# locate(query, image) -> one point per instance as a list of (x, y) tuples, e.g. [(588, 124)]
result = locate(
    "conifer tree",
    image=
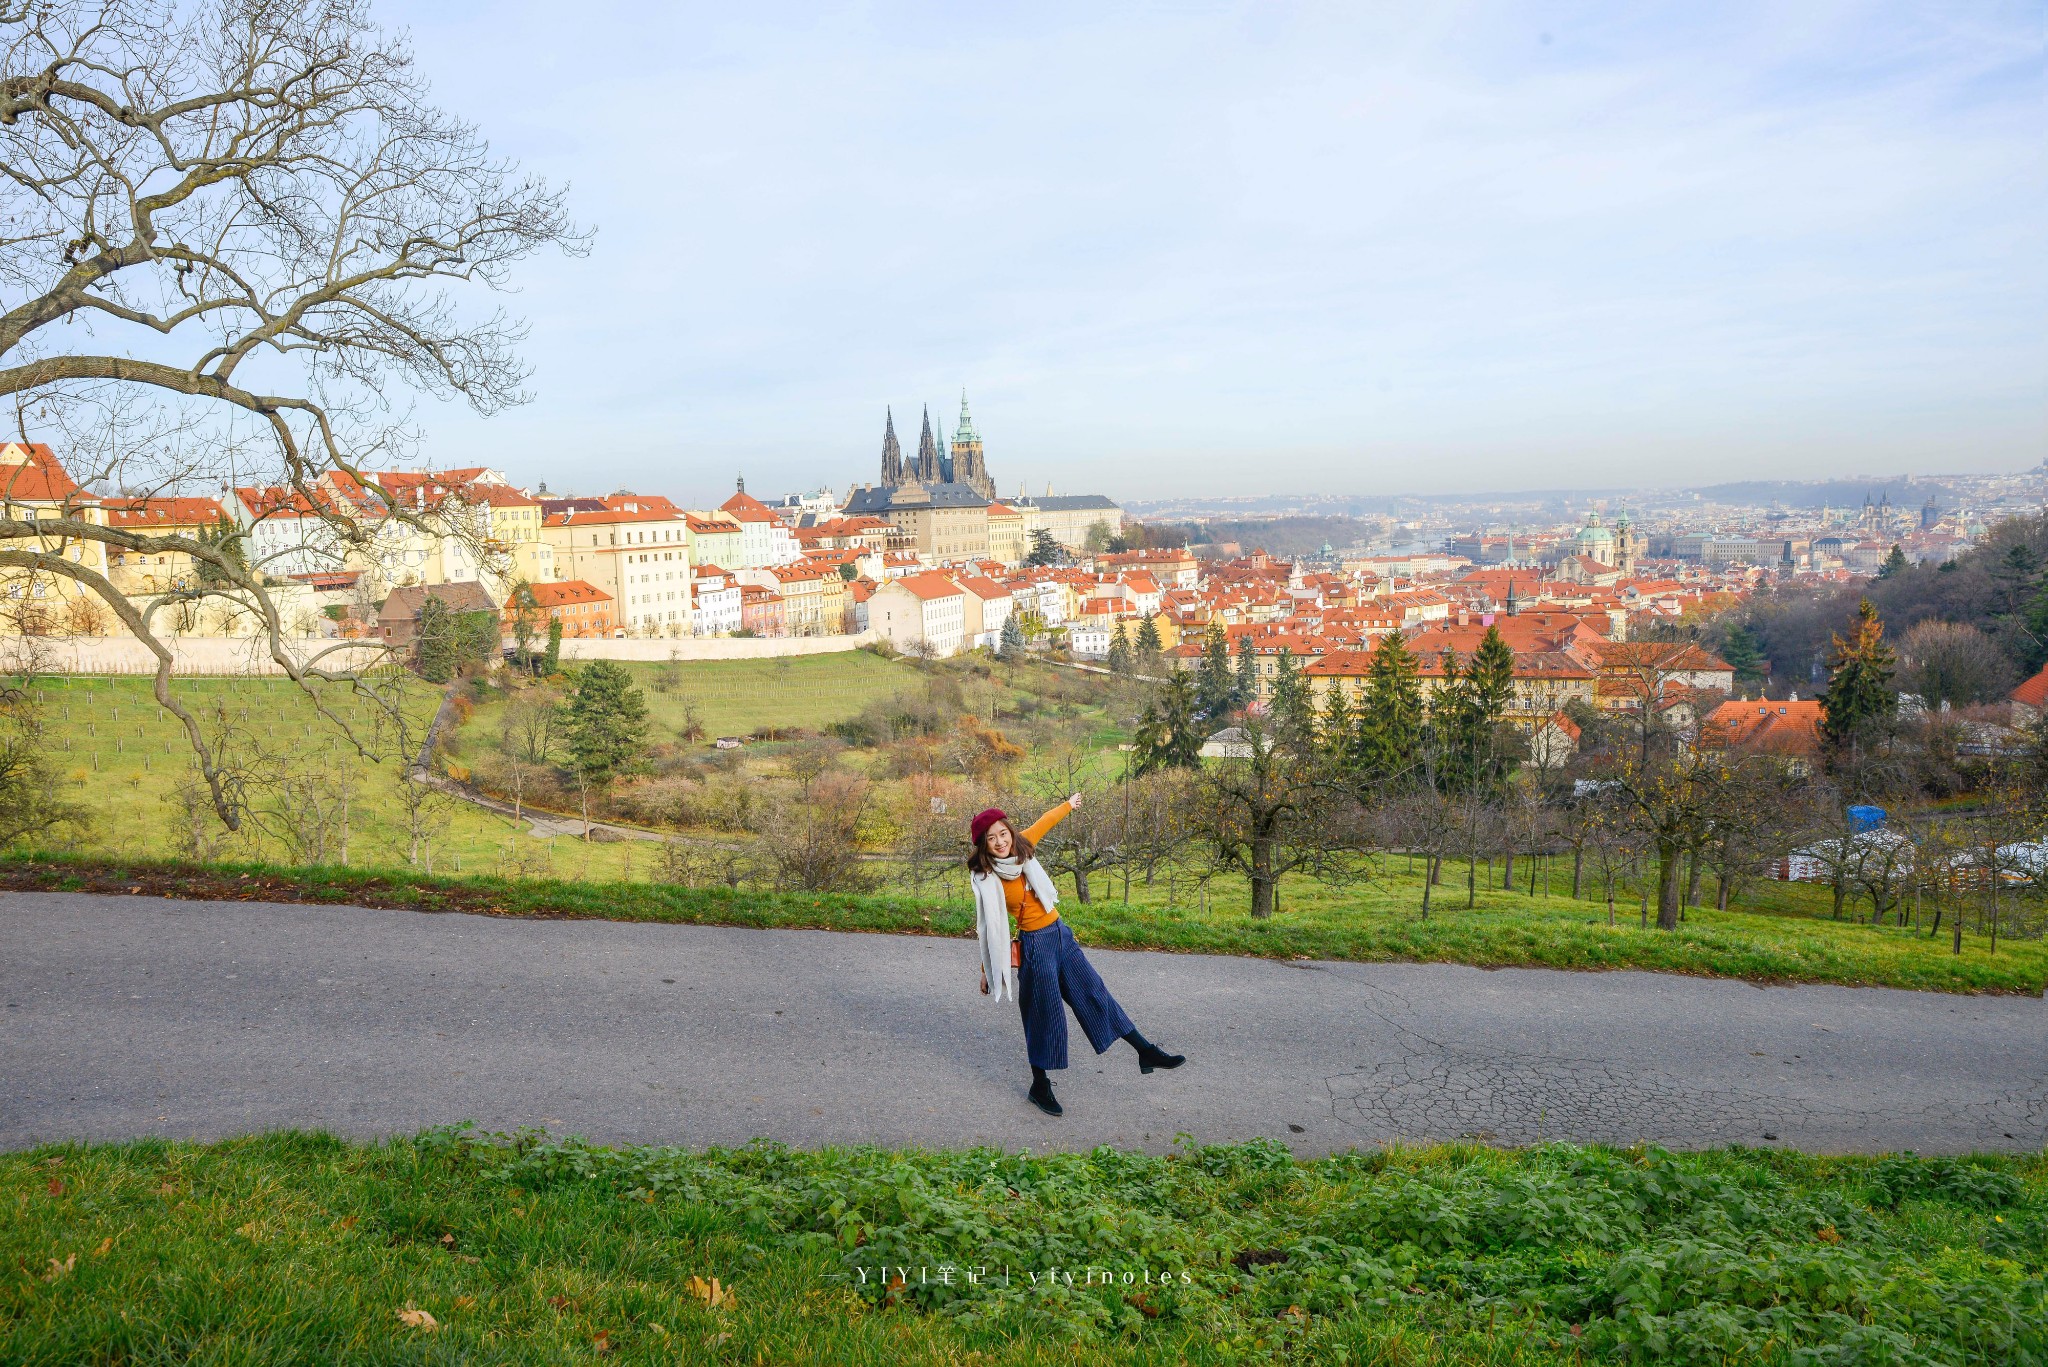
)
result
[(1339, 737), (551, 662), (1245, 690), (1119, 659), (1859, 701), (434, 645), (607, 721), (1895, 563), (1214, 686), (1294, 708), (1148, 639), (1168, 736), (1389, 734)]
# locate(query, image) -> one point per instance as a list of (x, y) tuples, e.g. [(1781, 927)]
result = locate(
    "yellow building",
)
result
[(138, 572), (34, 487), (1008, 541)]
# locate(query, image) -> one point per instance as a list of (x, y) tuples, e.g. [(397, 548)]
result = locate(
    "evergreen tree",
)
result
[(551, 662), (1492, 676), (434, 647), (1168, 735), (1744, 653), (1339, 739), (1213, 684), (1895, 563), (1859, 702), (226, 538), (525, 624), (1447, 735), (1245, 688), (606, 720), (1012, 643), (1044, 550), (1148, 639), (1294, 707), (1119, 660), (1390, 716)]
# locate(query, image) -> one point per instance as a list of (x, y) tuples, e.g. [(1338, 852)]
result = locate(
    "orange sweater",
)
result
[(1025, 909)]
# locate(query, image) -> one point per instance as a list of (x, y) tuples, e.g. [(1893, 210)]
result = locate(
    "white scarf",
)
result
[(1009, 869)]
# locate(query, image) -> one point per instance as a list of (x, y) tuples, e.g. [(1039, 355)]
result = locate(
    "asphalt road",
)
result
[(126, 1017)]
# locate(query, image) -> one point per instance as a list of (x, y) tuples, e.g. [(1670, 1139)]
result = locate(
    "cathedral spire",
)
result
[(927, 452), (892, 454)]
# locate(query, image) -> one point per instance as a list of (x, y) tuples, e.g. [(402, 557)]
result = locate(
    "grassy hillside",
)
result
[(303, 1248), (125, 760)]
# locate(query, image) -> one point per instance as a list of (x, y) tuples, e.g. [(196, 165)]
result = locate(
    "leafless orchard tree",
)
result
[(235, 240)]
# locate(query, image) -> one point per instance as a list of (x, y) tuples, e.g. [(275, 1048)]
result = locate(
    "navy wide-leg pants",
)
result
[(1055, 971)]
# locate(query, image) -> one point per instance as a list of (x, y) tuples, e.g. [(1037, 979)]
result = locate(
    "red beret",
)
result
[(978, 827)]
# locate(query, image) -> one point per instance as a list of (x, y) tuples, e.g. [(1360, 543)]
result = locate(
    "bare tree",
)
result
[(1086, 842), (1272, 813), (237, 236)]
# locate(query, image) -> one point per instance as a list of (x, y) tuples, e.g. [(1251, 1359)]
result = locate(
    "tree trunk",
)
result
[(1429, 872), (1721, 894), (1081, 884), (1507, 871), (1578, 864), (1692, 880), (1668, 887), (1262, 879), (1610, 899)]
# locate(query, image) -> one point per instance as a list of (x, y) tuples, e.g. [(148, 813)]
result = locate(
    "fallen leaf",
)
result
[(602, 1341), (659, 1330), (56, 1187), (714, 1296), (105, 1244), (418, 1319), (717, 1339), (561, 1302), (1827, 1235), (58, 1269), (345, 1222), (465, 1302), (448, 1241)]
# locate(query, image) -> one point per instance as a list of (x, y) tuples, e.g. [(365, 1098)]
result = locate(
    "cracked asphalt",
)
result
[(126, 1017)]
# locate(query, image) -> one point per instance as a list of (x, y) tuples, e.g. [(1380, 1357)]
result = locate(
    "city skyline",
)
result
[(1227, 248)]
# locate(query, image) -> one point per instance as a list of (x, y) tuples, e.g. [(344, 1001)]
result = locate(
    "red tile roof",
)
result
[(31, 473), (2034, 692), (163, 512)]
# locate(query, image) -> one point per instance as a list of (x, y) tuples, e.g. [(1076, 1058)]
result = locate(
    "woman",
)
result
[(1044, 965)]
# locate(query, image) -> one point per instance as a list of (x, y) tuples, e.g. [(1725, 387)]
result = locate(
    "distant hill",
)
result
[(1905, 492)]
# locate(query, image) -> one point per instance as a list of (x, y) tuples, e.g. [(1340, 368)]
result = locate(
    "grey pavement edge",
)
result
[(126, 1017)]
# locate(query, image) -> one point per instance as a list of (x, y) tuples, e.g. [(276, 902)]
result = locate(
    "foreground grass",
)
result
[(302, 1248), (1371, 924)]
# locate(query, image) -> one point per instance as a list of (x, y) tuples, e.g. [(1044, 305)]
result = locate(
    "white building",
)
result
[(715, 610), (920, 613)]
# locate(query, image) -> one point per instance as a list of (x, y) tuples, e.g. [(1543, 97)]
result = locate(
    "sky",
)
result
[(1210, 249)]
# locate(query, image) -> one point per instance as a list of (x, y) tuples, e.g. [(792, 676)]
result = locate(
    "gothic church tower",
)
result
[(892, 456)]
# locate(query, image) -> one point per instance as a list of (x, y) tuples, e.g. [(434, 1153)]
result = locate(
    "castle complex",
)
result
[(943, 503), (937, 464)]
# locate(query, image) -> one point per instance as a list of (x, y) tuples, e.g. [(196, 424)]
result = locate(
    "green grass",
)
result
[(300, 1248), (121, 758), (1375, 923), (736, 697)]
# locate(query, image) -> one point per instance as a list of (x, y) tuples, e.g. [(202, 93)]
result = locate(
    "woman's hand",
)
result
[(1074, 801), (984, 982)]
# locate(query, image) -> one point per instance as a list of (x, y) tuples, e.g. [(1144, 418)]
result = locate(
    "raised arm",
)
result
[(1038, 829)]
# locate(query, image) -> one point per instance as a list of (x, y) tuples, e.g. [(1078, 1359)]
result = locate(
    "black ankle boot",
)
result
[(1150, 1055), (1041, 1093)]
